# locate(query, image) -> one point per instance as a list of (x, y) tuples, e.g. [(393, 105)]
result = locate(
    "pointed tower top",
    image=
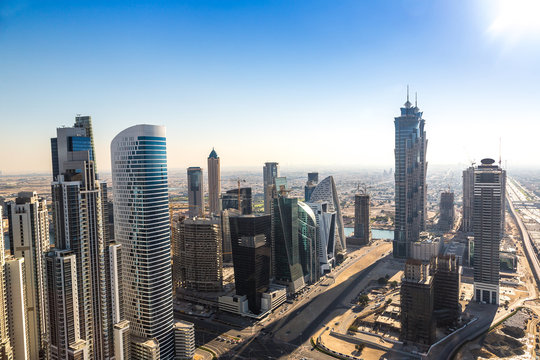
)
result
[(213, 154), (415, 99)]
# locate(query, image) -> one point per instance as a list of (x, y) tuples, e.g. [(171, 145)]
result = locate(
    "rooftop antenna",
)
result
[(407, 92)]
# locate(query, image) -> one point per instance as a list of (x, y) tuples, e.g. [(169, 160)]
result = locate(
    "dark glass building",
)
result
[(251, 250), (229, 200)]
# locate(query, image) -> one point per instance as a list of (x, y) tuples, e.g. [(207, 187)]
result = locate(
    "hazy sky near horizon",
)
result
[(305, 83)]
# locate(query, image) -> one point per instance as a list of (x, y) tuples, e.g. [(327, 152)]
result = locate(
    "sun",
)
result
[(516, 19)]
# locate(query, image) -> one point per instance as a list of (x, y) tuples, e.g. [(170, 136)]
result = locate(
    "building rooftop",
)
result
[(213, 154)]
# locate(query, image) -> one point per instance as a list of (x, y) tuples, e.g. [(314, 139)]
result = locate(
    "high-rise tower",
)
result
[(488, 228), (195, 192), (214, 182), (142, 226), (410, 178), (270, 173), (77, 198), (468, 187), (29, 235), (6, 352)]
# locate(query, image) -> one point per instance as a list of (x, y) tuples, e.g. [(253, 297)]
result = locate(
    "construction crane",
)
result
[(361, 188), (238, 180)]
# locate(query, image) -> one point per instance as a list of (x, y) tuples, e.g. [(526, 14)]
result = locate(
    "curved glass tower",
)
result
[(141, 219)]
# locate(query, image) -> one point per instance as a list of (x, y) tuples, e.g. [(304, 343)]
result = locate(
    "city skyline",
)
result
[(211, 66)]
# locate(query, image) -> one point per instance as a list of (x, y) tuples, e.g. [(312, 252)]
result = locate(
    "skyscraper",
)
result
[(85, 122), (6, 351), (251, 250), (446, 286), (142, 227), (63, 306), (17, 308), (362, 228), (77, 210), (295, 260), (446, 211), (195, 192), (326, 192), (270, 173), (214, 182), (29, 236), (200, 247), (313, 179), (488, 228), (410, 178), (468, 191), (120, 326)]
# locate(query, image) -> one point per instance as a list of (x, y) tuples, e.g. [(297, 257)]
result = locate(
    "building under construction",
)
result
[(447, 281), (199, 253), (362, 232), (417, 301), (447, 213)]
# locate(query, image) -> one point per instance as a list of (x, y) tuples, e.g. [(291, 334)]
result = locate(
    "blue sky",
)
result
[(305, 83)]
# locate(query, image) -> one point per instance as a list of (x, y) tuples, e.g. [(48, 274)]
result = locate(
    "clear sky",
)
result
[(305, 83)]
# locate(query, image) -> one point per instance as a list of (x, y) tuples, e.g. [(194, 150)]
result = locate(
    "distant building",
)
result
[(200, 247), (426, 247), (362, 227), (417, 301), (195, 192), (488, 229), (214, 182), (252, 251), (29, 236), (326, 192), (270, 173), (447, 282), (229, 200), (184, 340), (446, 211), (468, 192), (313, 180), (410, 178)]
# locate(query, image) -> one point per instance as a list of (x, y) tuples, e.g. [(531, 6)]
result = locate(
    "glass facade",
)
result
[(142, 226)]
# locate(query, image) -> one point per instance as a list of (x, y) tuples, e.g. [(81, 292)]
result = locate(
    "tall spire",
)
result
[(415, 99), (407, 92)]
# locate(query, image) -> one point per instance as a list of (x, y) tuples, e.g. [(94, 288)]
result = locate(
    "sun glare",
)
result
[(516, 19)]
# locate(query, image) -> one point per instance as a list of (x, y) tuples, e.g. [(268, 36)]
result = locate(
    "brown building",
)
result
[(362, 229), (199, 249), (447, 280), (446, 210), (417, 299)]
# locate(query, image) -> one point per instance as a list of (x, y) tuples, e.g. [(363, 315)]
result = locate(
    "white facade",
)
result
[(184, 340), (326, 230), (142, 226), (425, 249), (121, 339), (16, 305), (326, 192), (29, 231), (236, 304), (274, 297)]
